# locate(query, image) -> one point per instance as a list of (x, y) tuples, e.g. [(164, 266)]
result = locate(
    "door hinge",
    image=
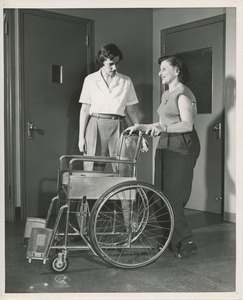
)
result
[(164, 48), (6, 28), (87, 40)]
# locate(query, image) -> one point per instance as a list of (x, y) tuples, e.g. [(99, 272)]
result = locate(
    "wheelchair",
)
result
[(125, 222)]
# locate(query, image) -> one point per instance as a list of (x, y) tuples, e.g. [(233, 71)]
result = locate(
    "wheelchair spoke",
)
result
[(131, 224)]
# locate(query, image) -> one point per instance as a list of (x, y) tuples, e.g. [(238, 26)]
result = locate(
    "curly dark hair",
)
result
[(108, 51), (178, 62)]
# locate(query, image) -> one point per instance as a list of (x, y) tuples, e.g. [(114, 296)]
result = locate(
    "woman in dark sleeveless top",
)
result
[(178, 147)]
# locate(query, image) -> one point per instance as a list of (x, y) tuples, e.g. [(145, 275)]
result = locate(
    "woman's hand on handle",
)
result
[(136, 127), (154, 129), (149, 129)]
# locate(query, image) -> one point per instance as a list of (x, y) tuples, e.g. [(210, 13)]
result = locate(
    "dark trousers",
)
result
[(173, 176)]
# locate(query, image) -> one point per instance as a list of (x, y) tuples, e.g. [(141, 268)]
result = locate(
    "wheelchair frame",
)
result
[(130, 224)]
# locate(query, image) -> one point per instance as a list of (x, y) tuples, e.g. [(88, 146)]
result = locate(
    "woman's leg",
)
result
[(108, 138), (173, 175), (91, 140)]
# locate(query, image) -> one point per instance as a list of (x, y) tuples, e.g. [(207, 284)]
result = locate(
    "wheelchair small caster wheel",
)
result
[(58, 263)]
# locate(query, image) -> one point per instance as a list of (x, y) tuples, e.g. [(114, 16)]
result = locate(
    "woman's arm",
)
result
[(186, 114), (132, 114), (185, 125), (83, 120)]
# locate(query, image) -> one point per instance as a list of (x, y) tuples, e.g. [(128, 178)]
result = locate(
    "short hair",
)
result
[(177, 61), (108, 51)]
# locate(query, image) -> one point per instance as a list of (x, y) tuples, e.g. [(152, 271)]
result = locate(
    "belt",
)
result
[(107, 116)]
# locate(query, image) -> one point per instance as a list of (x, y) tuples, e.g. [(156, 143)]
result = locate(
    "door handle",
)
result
[(217, 128), (218, 199), (31, 128)]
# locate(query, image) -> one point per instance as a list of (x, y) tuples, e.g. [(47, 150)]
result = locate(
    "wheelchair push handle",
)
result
[(138, 133), (134, 133)]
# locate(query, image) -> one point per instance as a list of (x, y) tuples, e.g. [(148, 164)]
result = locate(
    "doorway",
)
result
[(54, 58), (201, 44)]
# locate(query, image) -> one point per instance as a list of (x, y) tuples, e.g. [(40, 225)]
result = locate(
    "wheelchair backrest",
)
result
[(129, 149)]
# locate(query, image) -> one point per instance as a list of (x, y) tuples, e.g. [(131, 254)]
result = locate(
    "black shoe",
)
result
[(186, 249)]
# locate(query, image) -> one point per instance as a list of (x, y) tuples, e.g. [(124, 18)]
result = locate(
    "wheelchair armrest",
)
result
[(98, 159), (64, 159)]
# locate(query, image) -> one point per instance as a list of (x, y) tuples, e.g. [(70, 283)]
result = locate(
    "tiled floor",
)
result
[(212, 269)]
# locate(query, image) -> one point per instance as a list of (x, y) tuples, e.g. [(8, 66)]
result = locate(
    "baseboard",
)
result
[(230, 217)]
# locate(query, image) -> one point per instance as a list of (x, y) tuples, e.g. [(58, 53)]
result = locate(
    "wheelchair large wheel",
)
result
[(131, 224)]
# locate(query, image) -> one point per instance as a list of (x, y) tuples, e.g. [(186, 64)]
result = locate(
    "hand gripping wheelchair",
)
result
[(125, 222)]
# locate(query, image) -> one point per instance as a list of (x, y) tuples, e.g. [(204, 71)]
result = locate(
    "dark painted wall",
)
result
[(131, 29)]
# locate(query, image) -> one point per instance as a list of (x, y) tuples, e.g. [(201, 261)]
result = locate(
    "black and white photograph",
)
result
[(121, 149)]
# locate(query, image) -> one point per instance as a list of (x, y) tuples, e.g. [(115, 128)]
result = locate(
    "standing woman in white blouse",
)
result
[(105, 96)]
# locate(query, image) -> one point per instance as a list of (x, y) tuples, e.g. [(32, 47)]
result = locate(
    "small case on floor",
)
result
[(38, 243), (32, 223)]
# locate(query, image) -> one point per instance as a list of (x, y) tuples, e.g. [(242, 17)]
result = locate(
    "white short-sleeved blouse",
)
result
[(112, 100)]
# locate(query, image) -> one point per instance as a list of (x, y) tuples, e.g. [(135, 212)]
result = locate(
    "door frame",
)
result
[(14, 99), (9, 120), (190, 25)]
